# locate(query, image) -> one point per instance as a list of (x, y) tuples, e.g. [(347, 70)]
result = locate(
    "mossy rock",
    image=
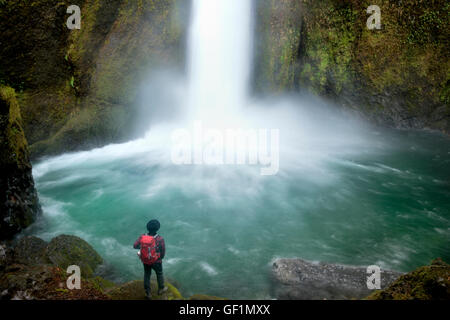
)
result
[(134, 290), (205, 297), (19, 203), (31, 251), (426, 283), (66, 250), (101, 284), (44, 282), (21, 281)]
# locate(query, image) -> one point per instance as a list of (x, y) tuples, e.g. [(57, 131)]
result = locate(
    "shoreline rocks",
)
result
[(425, 283), (32, 269), (296, 279)]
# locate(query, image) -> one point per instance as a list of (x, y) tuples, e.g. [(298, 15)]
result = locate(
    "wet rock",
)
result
[(6, 256), (296, 279), (19, 205), (31, 251), (205, 297), (44, 282), (325, 48), (134, 290), (425, 283), (19, 282), (66, 250)]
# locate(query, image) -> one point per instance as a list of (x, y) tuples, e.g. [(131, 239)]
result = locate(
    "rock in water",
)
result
[(296, 279), (19, 203)]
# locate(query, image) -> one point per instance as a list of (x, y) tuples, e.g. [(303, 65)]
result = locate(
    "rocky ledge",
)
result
[(297, 279), (33, 269), (425, 283)]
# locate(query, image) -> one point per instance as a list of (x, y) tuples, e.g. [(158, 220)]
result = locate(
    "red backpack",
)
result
[(149, 254)]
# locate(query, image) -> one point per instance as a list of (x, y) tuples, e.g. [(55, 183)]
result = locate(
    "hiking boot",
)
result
[(163, 290)]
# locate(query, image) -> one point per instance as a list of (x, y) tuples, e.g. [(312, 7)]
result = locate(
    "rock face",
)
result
[(44, 282), (31, 251), (78, 88), (62, 251), (19, 203), (34, 269), (396, 76), (134, 290), (65, 250), (426, 283), (296, 279)]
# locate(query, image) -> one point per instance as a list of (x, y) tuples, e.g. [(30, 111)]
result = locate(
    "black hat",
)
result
[(153, 225)]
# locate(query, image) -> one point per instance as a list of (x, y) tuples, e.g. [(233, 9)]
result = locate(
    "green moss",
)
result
[(65, 250), (426, 283), (204, 297), (14, 149), (279, 32), (101, 284), (142, 38), (329, 45), (78, 88), (134, 290), (335, 55)]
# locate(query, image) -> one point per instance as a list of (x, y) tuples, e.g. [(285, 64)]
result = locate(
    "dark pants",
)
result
[(159, 275)]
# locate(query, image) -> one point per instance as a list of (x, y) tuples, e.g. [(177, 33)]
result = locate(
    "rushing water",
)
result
[(345, 192), (383, 199)]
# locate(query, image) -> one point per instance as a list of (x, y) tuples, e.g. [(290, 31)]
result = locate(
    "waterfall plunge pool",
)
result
[(345, 193)]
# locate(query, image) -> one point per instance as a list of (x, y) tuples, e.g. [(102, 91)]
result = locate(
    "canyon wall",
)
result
[(78, 88), (397, 76)]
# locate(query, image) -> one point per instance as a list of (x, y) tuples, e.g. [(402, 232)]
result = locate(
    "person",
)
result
[(153, 261)]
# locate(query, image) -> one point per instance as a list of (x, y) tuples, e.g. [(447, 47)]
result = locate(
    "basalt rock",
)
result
[(66, 250), (396, 76), (78, 88), (134, 290), (19, 205), (31, 251), (296, 279), (36, 270), (44, 282), (425, 283)]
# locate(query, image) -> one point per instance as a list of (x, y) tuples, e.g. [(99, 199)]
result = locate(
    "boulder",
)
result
[(44, 282), (134, 290), (296, 279), (21, 282), (66, 250), (31, 251)]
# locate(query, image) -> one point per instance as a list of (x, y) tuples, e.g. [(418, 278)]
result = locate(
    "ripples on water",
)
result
[(346, 193)]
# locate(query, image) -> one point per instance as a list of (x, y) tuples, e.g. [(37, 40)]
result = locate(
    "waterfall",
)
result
[(219, 58)]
